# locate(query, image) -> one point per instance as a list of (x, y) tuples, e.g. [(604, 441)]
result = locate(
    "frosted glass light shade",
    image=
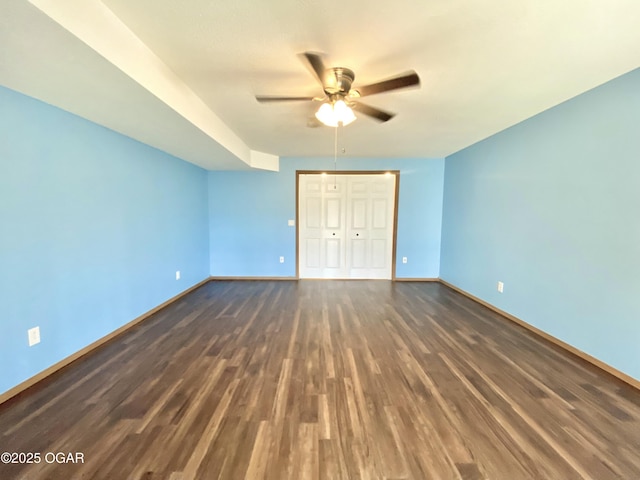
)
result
[(332, 114), (325, 115)]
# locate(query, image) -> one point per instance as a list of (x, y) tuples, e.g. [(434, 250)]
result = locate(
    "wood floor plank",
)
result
[(326, 380)]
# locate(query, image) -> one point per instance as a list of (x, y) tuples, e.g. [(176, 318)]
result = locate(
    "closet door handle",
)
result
[(334, 234)]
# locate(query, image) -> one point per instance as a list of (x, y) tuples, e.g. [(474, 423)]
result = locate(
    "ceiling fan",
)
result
[(339, 98)]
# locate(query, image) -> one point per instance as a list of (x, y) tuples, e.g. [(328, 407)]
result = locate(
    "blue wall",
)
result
[(249, 213), (551, 207), (93, 227)]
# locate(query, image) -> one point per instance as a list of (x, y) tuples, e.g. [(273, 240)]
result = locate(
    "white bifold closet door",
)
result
[(346, 225)]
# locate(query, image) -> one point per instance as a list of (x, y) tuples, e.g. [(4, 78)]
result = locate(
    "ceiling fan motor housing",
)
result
[(338, 81)]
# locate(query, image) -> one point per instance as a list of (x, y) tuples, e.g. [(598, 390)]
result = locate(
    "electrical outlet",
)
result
[(177, 274), (291, 223), (500, 287), (34, 336), (281, 259), (404, 259)]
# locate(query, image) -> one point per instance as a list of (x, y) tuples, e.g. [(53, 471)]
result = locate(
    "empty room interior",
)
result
[(319, 240)]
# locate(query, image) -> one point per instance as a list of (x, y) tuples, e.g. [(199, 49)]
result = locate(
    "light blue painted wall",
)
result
[(551, 207), (93, 226), (249, 213)]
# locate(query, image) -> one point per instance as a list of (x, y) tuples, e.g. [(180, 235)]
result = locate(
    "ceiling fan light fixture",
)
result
[(343, 113), (335, 113), (339, 98), (325, 115)]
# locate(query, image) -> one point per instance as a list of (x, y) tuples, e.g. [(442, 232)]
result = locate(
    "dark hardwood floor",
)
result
[(326, 380)]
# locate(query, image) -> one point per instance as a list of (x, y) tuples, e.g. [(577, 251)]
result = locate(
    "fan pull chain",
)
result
[(335, 158)]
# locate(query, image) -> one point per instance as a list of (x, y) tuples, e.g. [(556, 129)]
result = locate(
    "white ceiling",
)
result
[(181, 76)]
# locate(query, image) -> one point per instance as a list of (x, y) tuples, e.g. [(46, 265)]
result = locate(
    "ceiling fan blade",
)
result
[(317, 65), (374, 112), (313, 122), (268, 98), (401, 81)]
